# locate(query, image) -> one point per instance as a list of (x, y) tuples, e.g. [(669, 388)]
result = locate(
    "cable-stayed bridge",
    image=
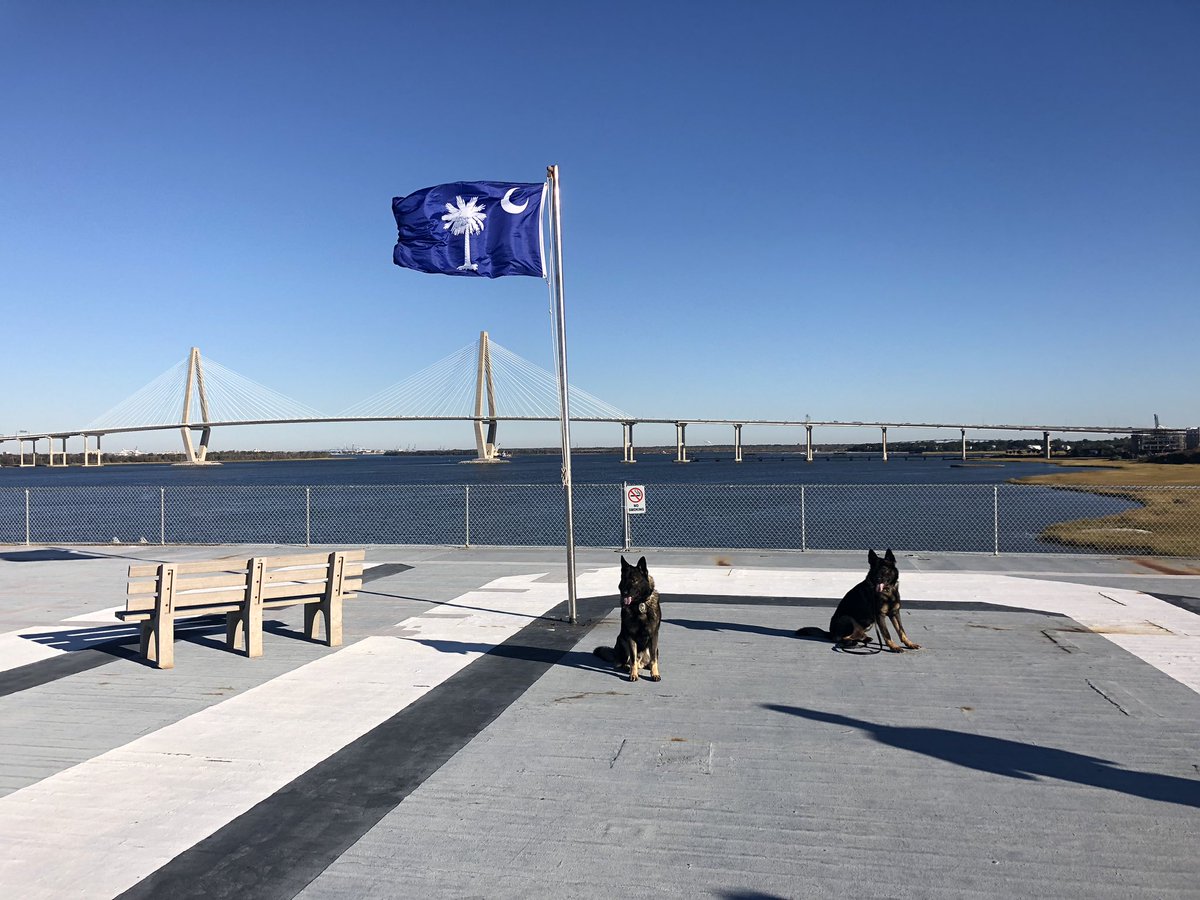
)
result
[(482, 383)]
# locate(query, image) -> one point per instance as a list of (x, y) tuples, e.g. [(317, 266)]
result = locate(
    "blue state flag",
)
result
[(475, 228)]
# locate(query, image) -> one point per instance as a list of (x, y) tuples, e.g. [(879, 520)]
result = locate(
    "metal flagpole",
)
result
[(561, 352)]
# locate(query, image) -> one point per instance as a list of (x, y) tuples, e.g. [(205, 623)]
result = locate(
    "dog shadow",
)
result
[(1014, 759), (548, 656), (706, 625)]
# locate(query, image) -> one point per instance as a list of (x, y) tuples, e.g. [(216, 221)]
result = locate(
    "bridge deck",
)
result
[(464, 742)]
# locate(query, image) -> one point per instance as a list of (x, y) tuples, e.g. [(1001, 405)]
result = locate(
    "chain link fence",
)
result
[(994, 519)]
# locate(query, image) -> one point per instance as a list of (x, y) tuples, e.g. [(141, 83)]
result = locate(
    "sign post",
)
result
[(633, 500)]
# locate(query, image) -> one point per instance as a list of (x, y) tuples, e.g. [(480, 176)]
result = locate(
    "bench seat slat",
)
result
[(200, 609)]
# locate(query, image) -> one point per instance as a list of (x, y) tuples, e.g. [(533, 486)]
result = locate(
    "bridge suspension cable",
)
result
[(230, 398), (447, 389)]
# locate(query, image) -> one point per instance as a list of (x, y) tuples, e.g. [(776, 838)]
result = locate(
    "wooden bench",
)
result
[(160, 593)]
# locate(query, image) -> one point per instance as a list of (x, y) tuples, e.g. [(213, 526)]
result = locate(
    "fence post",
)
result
[(467, 488), (995, 520), (162, 516), (308, 517), (803, 522), (26, 517)]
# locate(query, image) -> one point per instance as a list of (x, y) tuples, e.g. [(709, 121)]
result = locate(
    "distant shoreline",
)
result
[(1166, 522)]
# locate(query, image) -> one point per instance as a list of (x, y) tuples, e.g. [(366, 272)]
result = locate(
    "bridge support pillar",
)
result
[(737, 443), (963, 432), (485, 390), (681, 442), (56, 459), (21, 452), (1046, 443), (884, 429), (196, 456), (89, 453), (627, 432), (808, 443), (195, 375)]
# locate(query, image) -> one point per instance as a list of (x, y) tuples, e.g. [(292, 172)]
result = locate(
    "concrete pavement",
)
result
[(465, 741)]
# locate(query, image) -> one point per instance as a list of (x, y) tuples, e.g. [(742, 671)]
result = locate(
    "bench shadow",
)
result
[(90, 638), (123, 641), (212, 634), (1014, 759)]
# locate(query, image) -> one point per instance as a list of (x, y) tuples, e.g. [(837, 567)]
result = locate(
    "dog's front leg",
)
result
[(887, 635), (895, 617), (634, 658), (654, 673)]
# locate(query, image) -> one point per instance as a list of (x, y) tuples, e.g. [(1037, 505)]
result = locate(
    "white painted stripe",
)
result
[(99, 827), (17, 650), (108, 614)]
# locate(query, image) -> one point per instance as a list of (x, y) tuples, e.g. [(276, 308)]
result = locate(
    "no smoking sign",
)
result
[(635, 498)]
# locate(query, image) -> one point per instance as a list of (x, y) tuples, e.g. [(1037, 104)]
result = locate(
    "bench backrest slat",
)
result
[(229, 564), (309, 573), (310, 559), (309, 589), (190, 584)]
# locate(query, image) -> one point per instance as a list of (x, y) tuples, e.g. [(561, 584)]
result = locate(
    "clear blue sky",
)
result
[(931, 211)]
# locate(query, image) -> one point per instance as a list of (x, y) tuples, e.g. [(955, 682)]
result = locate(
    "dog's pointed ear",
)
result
[(889, 556), (642, 565), (624, 565), (872, 557)]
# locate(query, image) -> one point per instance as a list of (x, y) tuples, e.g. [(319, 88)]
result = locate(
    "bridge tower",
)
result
[(195, 376), (485, 386)]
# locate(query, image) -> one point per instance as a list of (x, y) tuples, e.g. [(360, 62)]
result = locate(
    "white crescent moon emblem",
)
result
[(508, 206)]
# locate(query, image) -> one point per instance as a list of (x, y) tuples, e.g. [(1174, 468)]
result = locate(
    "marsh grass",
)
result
[(1166, 523)]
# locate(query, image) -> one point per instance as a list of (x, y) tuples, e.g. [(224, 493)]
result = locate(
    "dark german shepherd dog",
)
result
[(867, 603), (641, 615)]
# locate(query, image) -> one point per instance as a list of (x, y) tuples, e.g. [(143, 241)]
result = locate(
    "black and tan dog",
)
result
[(867, 603), (641, 616)]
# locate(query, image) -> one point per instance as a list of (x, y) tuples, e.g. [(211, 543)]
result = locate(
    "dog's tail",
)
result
[(813, 631), (608, 654)]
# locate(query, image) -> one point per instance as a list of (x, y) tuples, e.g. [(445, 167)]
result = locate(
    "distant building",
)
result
[(1152, 443), (1193, 438)]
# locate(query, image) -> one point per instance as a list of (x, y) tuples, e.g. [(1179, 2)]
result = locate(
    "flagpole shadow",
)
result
[(1014, 759)]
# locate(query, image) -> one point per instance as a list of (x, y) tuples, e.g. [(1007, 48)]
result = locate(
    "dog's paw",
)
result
[(656, 678), (913, 646)]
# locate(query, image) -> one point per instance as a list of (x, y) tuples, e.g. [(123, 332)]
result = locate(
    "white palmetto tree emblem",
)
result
[(465, 219)]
